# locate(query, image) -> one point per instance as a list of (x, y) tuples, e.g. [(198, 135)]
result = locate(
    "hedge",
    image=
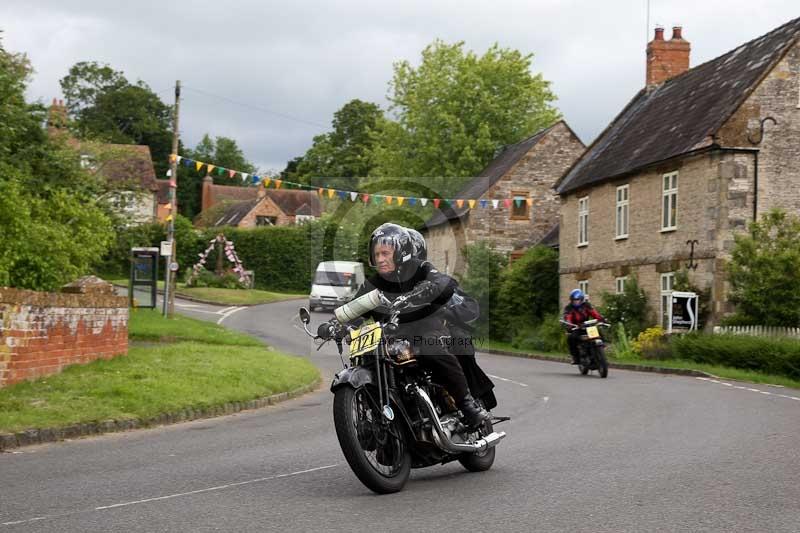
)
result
[(283, 258), (763, 354)]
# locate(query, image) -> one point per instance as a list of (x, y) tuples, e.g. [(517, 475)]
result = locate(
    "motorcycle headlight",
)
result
[(400, 350)]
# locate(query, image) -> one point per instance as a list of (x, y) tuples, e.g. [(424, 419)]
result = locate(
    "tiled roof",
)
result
[(682, 114), (129, 164), (162, 194), (498, 167), (221, 193), (234, 213), (550, 238), (291, 201)]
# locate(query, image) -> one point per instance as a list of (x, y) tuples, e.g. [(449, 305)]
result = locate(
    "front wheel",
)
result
[(376, 452), (602, 363)]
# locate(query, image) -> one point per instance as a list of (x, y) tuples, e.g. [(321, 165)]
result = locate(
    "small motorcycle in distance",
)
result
[(591, 349)]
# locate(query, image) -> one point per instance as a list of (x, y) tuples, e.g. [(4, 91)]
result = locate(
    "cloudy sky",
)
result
[(270, 74)]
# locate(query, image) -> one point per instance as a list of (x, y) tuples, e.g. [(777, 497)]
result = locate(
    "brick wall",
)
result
[(41, 333), (266, 208)]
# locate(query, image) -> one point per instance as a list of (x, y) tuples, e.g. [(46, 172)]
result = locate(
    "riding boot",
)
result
[(474, 414)]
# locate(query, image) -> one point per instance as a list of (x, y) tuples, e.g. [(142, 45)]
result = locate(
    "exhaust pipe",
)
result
[(443, 441)]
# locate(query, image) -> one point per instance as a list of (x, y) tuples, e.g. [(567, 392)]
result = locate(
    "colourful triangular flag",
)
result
[(376, 199), (278, 184), (353, 196), (507, 202), (495, 203), (231, 173), (388, 199), (365, 197), (400, 200), (169, 172), (172, 157), (220, 171), (178, 158), (436, 202), (331, 192), (471, 203), (412, 201), (460, 203), (198, 165), (244, 176), (255, 179), (209, 168), (423, 201), (529, 201), (266, 181), (484, 203), (341, 194), (187, 162)]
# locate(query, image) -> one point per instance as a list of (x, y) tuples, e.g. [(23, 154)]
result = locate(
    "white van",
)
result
[(335, 283)]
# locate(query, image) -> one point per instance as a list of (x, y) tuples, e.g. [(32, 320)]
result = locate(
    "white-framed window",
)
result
[(667, 282), (669, 201), (622, 212), (584, 287), (583, 221), (619, 284)]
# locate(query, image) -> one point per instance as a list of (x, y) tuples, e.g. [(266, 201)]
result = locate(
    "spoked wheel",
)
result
[(602, 363), (583, 368), (376, 452), (481, 461)]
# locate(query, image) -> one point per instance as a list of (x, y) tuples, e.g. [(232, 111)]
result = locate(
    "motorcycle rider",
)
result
[(578, 311), (391, 253), (461, 312)]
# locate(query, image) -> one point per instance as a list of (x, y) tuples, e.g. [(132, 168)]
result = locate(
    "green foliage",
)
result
[(623, 348), (528, 291), (628, 308), (652, 343), (770, 355), (764, 271), (482, 282), (547, 336), (105, 106), (457, 108), (52, 226), (206, 278), (345, 153)]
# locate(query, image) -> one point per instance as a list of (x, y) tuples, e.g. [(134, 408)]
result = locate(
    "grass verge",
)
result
[(225, 296), (720, 371), (206, 366)]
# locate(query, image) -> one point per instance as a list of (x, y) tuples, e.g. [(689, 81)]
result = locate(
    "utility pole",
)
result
[(170, 281)]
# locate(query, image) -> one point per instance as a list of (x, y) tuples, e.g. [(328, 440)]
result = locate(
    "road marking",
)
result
[(749, 389), (231, 311), (508, 380), (169, 496)]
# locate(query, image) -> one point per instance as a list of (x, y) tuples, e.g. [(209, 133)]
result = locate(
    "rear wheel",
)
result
[(376, 452), (481, 461)]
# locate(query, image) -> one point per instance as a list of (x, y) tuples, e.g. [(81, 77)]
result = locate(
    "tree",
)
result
[(628, 308), (53, 227), (528, 290), (456, 109), (344, 154), (764, 271), (482, 282), (105, 106)]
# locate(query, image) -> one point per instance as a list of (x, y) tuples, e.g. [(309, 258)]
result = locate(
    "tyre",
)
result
[(584, 369), (602, 363), (480, 462), (378, 455)]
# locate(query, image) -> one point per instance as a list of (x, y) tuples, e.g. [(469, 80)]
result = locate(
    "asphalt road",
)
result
[(635, 452)]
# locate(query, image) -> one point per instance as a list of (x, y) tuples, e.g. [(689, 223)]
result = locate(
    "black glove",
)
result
[(422, 293)]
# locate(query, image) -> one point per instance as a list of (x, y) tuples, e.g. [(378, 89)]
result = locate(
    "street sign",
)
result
[(683, 313), (173, 267), (166, 248)]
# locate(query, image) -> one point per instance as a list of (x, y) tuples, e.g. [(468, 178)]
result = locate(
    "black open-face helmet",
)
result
[(395, 236), (420, 246)]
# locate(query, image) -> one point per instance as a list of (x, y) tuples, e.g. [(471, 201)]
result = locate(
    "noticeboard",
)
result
[(683, 313), (143, 277)]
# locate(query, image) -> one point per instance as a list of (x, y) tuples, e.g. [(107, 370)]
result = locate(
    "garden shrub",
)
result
[(652, 344), (622, 345), (628, 308), (482, 282), (547, 336), (777, 356)]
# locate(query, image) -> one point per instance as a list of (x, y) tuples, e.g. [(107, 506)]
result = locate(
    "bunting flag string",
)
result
[(354, 196)]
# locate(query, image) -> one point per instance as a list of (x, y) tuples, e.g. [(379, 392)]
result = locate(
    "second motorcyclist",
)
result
[(578, 311)]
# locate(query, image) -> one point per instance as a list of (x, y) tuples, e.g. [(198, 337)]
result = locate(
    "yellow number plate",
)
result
[(365, 339), (592, 332)]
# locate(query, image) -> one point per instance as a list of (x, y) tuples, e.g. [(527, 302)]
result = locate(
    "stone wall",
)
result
[(715, 199), (42, 333)]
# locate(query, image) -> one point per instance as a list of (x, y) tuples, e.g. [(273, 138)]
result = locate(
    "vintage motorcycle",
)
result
[(591, 350), (389, 413)]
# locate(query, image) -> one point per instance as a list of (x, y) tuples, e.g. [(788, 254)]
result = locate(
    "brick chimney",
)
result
[(666, 59), (262, 191), (207, 198), (57, 117)]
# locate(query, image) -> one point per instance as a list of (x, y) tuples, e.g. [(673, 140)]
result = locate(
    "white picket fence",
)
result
[(759, 331)]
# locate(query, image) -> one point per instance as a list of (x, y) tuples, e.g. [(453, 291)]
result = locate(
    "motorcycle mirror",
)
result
[(305, 316)]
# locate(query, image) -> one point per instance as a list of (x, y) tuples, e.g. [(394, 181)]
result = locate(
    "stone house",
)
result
[(525, 172), (138, 195), (694, 157), (248, 207)]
